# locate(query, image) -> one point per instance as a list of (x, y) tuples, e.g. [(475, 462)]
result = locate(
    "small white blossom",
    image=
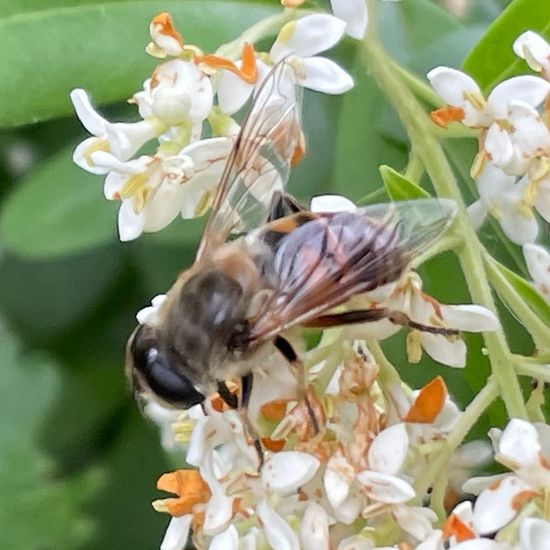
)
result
[(354, 14), (154, 190), (302, 40), (525, 449)]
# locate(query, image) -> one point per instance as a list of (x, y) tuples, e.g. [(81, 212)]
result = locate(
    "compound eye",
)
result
[(171, 386), (152, 364)]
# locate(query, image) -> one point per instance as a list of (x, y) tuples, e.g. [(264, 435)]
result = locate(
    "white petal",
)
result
[(171, 104), (542, 202), (415, 520), (534, 49), (130, 167), (206, 151), (177, 533), (495, 506), (434, 541), (470, 318), (323, 75), (227, 540), (197, 444), (314, 528), (531, 135), (163, 206), (388, 451), (350, 509), (499, 146), (530, 89), (90, 118), (519, 225), (534, 534), (519, 444), (337, 487), (308, 36), (125, 138), (286, 471), (233, 91), (493, 182), (82, 158), (442, 350), (475, 485), (537, 259), (278, 532), (130, 224), (385, 488), (331, 203), (354, 13), (477, 211), (218, 513)]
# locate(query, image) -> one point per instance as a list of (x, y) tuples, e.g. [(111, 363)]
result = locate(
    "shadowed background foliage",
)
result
[(78, 463)]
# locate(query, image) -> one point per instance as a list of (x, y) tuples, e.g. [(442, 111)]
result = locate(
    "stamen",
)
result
[(163, 24), (248, 71), (444, 116), (476, 99), (96, 145)]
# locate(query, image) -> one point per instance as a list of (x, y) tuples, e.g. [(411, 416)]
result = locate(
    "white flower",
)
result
[(178, 92), (164, 418), (537, 259), (525, 449), (302, 40), (354, 14), (120, 139), (154, 190), (461, 91), (535, 50), (502, 197)]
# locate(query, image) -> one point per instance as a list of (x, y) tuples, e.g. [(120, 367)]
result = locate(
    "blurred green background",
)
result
[(78, 463)]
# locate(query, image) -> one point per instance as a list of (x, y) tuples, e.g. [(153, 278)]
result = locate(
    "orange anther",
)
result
[(248, 71), (444, 116), (455, 526), (428, 403), (190, 488)]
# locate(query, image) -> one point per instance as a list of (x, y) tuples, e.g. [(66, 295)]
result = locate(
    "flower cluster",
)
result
[(186, 109), (349, 486), (512, 167), (345, 483)]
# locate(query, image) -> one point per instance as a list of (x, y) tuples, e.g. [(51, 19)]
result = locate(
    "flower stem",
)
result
[(388, 373), (526, 368), (439, 461), (426, 145)]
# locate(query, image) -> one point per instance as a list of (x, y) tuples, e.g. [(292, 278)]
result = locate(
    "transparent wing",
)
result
[(260, 161), (324, 262)]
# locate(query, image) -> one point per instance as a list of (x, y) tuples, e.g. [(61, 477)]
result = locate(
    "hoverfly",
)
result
[(265, 265)]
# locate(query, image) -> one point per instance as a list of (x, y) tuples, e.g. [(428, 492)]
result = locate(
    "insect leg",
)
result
[(369, 315), (282, 205), (290, 355), (227, 396), (247, 382)]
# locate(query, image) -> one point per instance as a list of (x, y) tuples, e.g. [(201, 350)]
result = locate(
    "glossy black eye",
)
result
[(163, 379)]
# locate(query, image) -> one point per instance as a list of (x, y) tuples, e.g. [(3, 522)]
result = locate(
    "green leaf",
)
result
[(492, 60), (57, 210), (398, 187), (99, 47), (40, 510), (535, 301)]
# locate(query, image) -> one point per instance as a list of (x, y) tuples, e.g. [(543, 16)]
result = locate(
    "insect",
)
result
[(265, 265)]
